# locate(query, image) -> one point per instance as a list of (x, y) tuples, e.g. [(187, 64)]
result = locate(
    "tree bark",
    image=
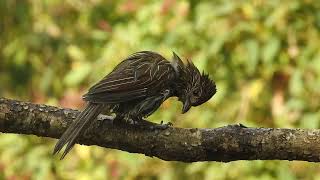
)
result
[(229, 143)]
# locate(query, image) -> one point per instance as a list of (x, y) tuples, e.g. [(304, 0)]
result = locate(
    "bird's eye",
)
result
[(196, 93)]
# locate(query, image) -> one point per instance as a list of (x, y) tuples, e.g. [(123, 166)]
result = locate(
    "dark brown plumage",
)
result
[(136, 88)]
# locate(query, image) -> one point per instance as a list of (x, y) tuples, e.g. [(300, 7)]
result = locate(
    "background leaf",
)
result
[(263, 55)]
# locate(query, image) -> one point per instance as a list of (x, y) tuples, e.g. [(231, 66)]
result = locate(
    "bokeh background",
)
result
[(263, 55)]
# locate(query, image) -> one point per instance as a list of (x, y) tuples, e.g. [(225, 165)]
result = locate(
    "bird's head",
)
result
[(195, 88)]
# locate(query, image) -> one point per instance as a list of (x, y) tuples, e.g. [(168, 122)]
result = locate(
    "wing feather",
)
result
[(131, 79)]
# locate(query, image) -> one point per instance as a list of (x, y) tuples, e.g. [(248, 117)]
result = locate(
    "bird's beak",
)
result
[(186, 106)]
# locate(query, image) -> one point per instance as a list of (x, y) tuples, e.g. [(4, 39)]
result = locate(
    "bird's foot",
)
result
[(167, 124), (142, 122), (150, 125), (161, 126), (120, 121), (237, 125), (243, 126)]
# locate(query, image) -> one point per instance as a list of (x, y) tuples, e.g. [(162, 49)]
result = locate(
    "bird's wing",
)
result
[(131, 79)]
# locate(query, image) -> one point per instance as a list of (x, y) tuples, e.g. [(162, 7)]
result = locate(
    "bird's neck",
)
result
[(179, 86)]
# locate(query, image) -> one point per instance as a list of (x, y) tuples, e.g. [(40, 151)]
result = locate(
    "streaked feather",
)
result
[(131, 79), (136, 88)]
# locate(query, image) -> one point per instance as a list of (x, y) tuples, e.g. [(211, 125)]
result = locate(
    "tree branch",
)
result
[(225, 144)]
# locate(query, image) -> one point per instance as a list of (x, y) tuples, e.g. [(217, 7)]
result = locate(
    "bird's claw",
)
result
[(161, 126), (237, 125), (241, 125), (169, 123)]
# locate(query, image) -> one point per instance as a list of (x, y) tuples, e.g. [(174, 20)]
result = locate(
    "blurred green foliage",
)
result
[(263, 55)]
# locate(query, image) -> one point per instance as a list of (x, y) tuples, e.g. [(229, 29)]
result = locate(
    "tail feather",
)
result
[(66, 135), (85, 119)]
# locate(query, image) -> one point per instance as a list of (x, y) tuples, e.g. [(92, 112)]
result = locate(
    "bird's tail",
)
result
[(84, 120)]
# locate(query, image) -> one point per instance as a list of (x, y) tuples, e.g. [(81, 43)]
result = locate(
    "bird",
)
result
[(136, 88)]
